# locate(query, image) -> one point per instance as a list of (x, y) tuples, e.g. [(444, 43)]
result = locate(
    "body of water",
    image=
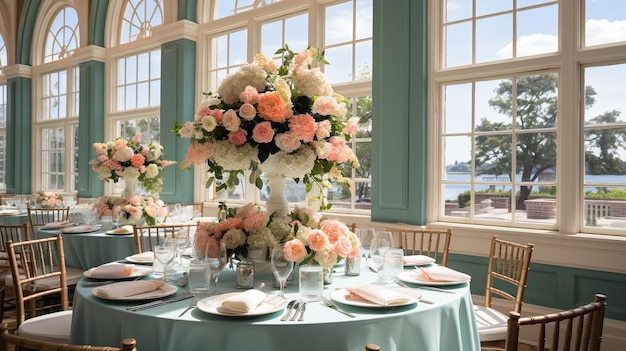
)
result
[(453, 190)]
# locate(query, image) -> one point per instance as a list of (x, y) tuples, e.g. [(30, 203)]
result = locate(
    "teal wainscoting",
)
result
[(553, 286)]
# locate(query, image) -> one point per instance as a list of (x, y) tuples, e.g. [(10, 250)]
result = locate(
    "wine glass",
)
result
[(281, 266), (217, 261), (165, 254), (365, 236), (381, 243), (181, 238)]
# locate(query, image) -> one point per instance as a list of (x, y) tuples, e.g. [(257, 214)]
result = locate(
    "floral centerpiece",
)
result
[(308, 236), (284, 120), (131, 160), (135, 210), (47, 199)]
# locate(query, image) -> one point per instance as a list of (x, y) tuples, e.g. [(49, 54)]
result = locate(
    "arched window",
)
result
[(235, 31), (135, 80), (56, 78)]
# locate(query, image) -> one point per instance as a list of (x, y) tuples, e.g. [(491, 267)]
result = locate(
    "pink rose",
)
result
[(249, 95), (295, 251), (343, 246), (317, 240), (231, 121), (263, 132), (239, 137), (288, 142), (303, 127), (247, 112)]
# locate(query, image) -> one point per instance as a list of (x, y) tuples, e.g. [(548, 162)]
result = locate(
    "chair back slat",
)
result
[(40, 216), (146, 237), (428, 242), (578, 329)]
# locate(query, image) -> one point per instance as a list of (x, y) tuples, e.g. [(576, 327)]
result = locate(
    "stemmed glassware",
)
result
[(165, 254), (217, 261), (281, 266), (181, 238), (381, 243), (365, 236)]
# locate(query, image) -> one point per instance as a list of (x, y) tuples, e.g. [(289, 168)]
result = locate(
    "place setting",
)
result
[(121, 230), (114, 270), (434, 276), (249, 303)]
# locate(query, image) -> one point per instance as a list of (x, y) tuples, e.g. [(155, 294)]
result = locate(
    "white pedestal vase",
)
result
[(130, 188), (277, 201)]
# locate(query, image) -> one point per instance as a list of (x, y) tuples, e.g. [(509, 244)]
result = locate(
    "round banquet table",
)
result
[(14, 219), (87, 250), (448, 324)]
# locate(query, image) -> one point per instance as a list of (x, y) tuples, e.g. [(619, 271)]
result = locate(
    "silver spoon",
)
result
[(182, 282)]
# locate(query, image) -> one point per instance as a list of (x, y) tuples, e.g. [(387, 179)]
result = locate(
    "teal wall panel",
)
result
[(399, 133), (552, 286), (19, 140), (90, 126), (178, 77), (97, 22)]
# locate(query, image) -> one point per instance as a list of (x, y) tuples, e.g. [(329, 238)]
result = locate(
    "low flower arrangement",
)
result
[(47, 199), (308, 237), (120, 158), (284, 120), (135, 210)]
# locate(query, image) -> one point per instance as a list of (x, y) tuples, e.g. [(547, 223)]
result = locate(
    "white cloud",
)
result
[(531, 45), (602, 31)]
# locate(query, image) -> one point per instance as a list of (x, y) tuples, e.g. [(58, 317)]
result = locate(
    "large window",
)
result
[(56, 122), (3, 115), (345, 29), (531, 123), (136, 83)]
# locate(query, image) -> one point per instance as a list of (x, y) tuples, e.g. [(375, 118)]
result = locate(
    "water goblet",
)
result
[(365, 236), (281, 266), (181, 238), (378, 248), (217, 260), (165, 254)]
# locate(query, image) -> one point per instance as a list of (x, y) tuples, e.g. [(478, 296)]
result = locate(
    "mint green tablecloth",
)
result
[(448, 324), (87, 250), (16, 219)]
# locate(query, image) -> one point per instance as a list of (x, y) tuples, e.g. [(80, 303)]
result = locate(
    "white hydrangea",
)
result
[(152, 171), (233, 157), (236, 82), (312, 83), (290, 165)]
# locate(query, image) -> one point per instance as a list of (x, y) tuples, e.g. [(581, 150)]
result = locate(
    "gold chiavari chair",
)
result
[(146, 237), (428, 242), (40, 216)]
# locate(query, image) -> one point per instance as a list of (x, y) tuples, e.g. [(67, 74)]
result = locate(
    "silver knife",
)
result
[(156, 303)]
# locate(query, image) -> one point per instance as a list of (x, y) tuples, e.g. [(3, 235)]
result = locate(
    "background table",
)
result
[(449, 324), (87, 250), (15, 219)]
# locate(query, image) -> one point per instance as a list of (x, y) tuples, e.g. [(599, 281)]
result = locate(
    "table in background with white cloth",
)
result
[(87, 250), (448, 324)]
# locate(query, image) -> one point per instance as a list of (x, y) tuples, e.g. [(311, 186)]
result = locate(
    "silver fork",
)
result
[(288, 310), (193, 304)]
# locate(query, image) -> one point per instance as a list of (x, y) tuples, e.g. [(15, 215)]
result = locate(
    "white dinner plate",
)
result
[(112, 232), (165, 290), (415, 278), (138, 271), (136, 258), (269, 305), (80, 229), (339, 295), (56, 225)]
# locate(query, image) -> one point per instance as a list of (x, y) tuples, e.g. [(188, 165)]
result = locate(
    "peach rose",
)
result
[(273, 108), (295, 251), (263, 132), (288, 142), (247, 112)]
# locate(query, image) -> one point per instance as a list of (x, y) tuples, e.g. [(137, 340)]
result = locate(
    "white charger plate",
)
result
[(211, 303), (415, 278), (138, 271), (80, 229), (112, 232), (133, 259), (339, 295), (165, 290), (422, 260)]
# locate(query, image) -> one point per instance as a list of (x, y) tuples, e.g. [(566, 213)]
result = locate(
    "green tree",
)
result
[(608, 141)]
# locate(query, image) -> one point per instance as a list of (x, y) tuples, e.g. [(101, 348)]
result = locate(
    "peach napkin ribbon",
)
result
[(125, 289), (125, 229), (378, 295), (241, 303)]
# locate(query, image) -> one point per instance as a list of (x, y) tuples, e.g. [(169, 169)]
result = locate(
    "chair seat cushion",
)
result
[(491, 323), (72, 276), (54, 327)]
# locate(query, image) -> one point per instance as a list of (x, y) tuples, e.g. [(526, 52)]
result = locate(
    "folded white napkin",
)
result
[(8, 212), (78, 229), (111, 270), (124, 289), (379, 295), (418, 260), (55, 225), (442, 274), (147, 256), (241, 303), (125, 229)]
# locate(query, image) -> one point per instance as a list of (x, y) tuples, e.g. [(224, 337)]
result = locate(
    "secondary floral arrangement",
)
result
[(129, 160), (308, 237), (135, 210), (47, 199), (284, 120)]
